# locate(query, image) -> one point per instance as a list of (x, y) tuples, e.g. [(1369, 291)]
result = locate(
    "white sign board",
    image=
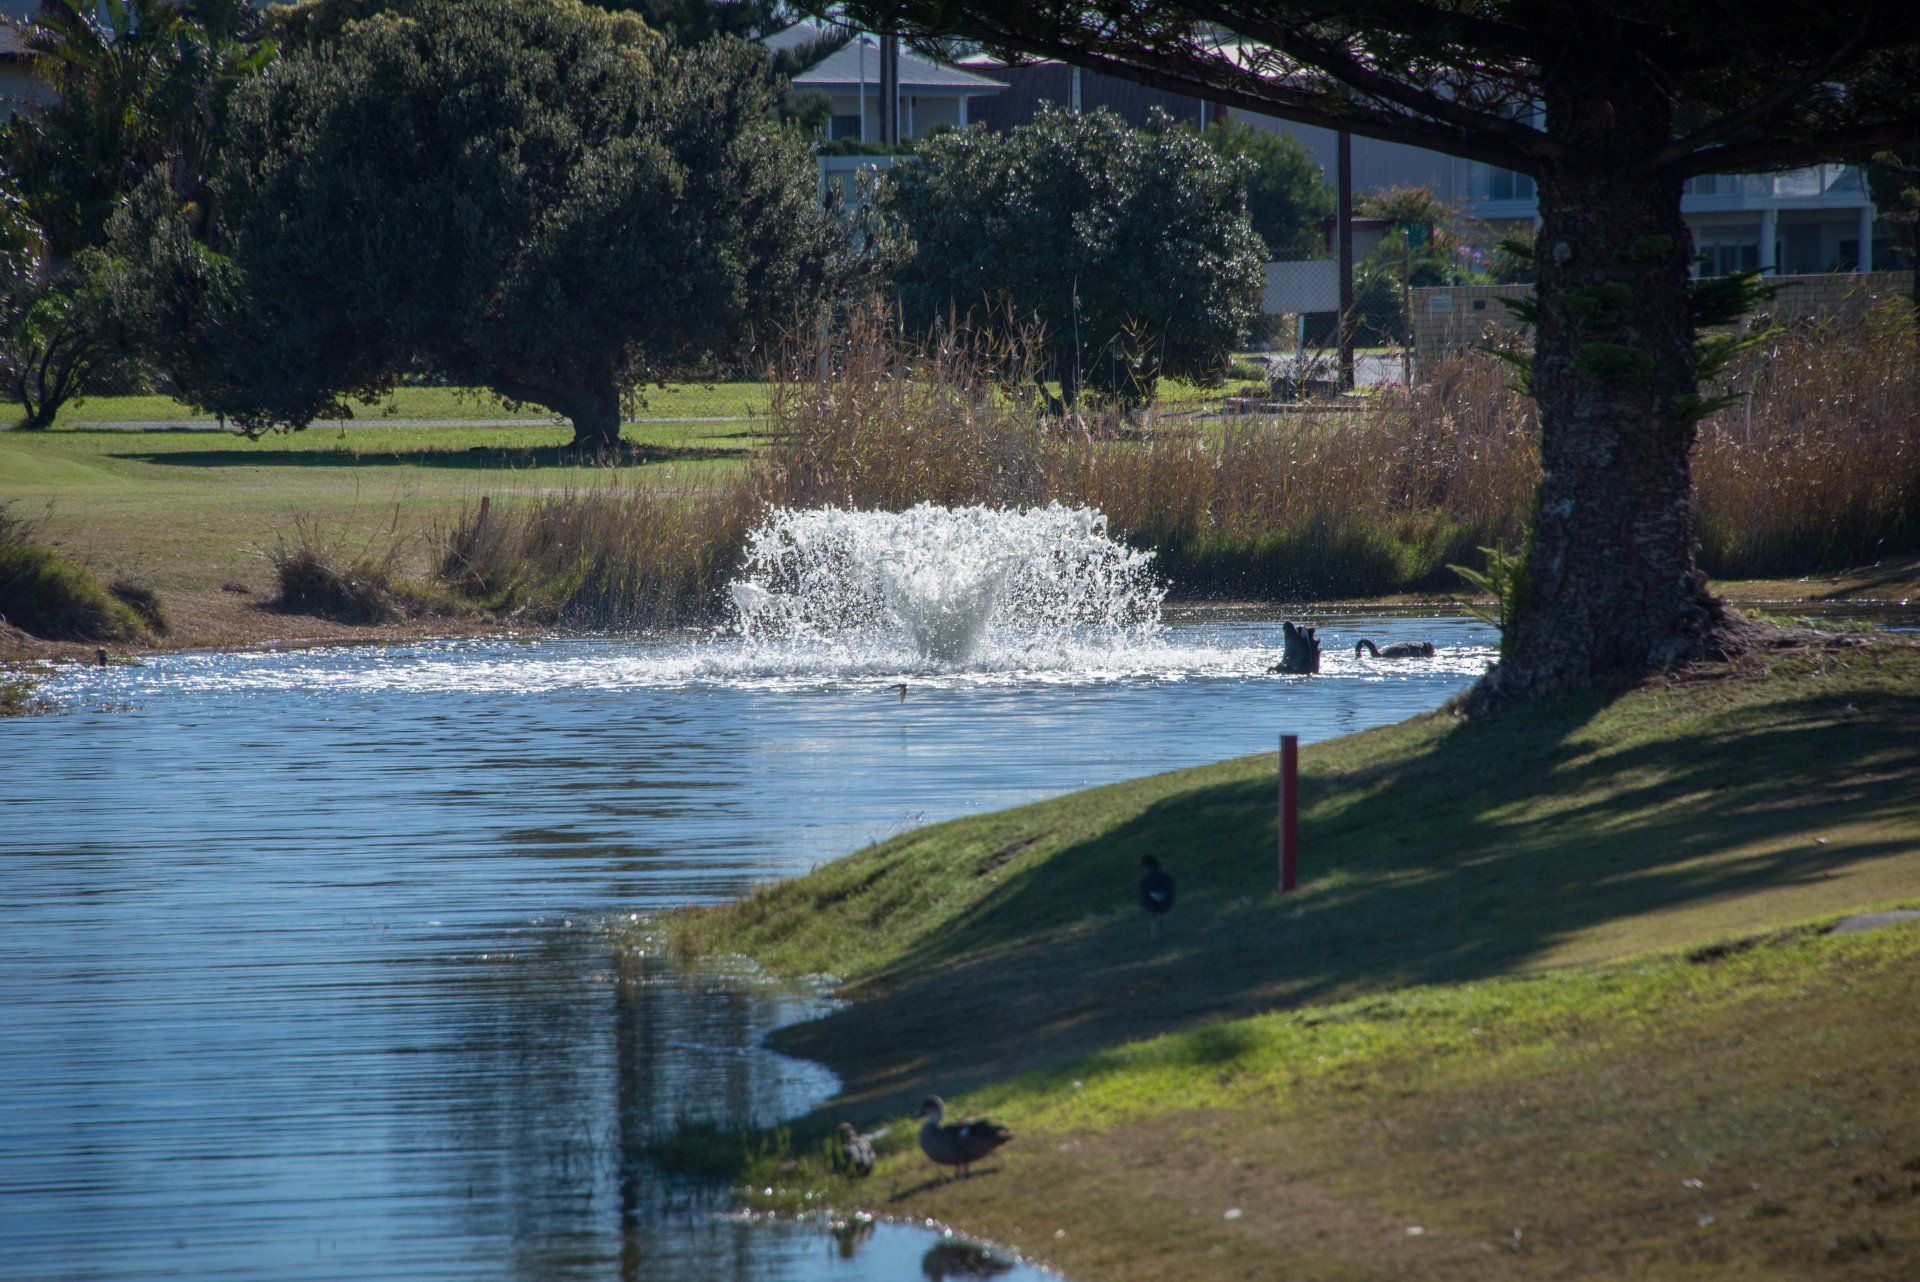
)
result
[(1311, 286)]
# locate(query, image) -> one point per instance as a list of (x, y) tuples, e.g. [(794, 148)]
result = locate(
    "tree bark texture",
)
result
[(1611, 591), (594, 409)]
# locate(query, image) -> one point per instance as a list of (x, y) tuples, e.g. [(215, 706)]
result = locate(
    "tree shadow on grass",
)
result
[(472, 458), (1473, 855)]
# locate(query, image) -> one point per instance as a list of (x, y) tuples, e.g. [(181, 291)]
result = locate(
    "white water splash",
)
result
[(952, 584)]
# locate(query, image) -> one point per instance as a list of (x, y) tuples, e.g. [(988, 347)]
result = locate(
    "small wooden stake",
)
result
[(486, 500), (1289, 811)]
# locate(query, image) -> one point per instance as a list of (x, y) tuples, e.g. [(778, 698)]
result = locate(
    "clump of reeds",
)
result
[(1817, 465), (635, 550), (1819, 469), (143, 601), (19, 695), (959, 419), (319, 575)]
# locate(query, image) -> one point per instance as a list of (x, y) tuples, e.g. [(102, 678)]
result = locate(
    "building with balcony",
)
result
[(1803, 223), (931, 93)]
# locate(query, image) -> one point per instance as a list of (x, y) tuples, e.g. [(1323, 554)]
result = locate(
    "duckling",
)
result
[(959, 1143), (1156, 894), (856, 1151), (1398, 650)]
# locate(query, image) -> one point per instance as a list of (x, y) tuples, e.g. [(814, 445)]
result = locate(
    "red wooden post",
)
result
[(1289, 811)]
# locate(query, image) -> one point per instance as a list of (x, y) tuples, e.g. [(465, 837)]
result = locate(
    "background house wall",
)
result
[(1455, 319)]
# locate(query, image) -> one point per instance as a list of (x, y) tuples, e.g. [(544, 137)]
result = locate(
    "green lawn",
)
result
[(1458, 1045), (190, 510), (450, 404)]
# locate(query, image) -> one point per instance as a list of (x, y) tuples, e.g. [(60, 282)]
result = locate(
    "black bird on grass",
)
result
[(1156, 894), (959, 1143)]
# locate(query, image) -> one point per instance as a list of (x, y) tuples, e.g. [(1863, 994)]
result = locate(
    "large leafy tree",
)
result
[(1286, 193), (1611, 105), (139, 86), (1127, 252), (530, 195)]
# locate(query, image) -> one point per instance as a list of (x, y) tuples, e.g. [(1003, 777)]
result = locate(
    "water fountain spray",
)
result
[(948, 581)]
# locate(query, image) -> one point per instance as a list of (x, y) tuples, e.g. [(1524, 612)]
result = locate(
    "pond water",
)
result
[(304, 956)]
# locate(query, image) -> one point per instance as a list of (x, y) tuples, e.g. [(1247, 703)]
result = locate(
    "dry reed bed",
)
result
[(1820, 470)]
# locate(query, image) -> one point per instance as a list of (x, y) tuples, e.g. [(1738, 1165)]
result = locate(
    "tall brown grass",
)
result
[(631, 551), (1818, 468), (1824, 470)]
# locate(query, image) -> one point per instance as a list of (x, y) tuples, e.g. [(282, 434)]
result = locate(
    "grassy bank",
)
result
[(1465, 1051)]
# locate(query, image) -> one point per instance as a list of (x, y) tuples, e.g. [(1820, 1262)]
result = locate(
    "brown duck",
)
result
[(959, 1143), (856, 1150)]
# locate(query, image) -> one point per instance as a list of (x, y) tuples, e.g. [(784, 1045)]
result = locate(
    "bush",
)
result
[(17, 692), (44, 593), (561, 206), (143, 601), (320, 579)]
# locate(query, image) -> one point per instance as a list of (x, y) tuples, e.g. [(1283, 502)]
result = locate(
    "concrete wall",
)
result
[(1453, 319)]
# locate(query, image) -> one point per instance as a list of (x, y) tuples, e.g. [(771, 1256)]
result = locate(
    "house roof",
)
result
[(918, 75)]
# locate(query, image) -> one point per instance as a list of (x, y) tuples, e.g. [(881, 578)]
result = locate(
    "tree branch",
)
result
[(1756, 112), (1264, 96), (1340, 63), (1771, 155)]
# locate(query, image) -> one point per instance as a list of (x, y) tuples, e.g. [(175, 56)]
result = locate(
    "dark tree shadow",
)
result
[(477, 457), (1456, 863)]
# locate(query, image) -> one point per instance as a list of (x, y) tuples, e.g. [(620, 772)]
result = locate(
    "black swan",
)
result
[(1398, 650)]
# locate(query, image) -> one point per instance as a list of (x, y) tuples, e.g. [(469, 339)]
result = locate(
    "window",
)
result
[(847, 126), (1505, 184), (1723, 258)]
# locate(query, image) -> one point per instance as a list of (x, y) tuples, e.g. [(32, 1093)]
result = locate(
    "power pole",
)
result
[(1343, 233), (890, 90)]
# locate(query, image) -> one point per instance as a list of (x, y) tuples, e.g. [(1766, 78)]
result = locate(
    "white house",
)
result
[(1802, 223), (931, 94), (18, 85)]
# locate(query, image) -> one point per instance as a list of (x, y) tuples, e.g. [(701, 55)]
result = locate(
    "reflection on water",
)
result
[(304, 958)]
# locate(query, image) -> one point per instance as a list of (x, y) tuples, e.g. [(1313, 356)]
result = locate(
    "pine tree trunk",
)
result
[(1611, 592)]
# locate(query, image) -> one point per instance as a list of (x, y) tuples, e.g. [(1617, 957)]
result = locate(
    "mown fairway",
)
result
[(187, 510)]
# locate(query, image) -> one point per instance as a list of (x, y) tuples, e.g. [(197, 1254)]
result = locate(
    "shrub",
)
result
[(17, 692), (562, 205), (44, 593), (320, 577), (143, 601)]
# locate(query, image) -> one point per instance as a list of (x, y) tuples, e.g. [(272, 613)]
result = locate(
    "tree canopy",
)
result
[(1128, 252), (1286, 195), (555, 204), (1611, 105)]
